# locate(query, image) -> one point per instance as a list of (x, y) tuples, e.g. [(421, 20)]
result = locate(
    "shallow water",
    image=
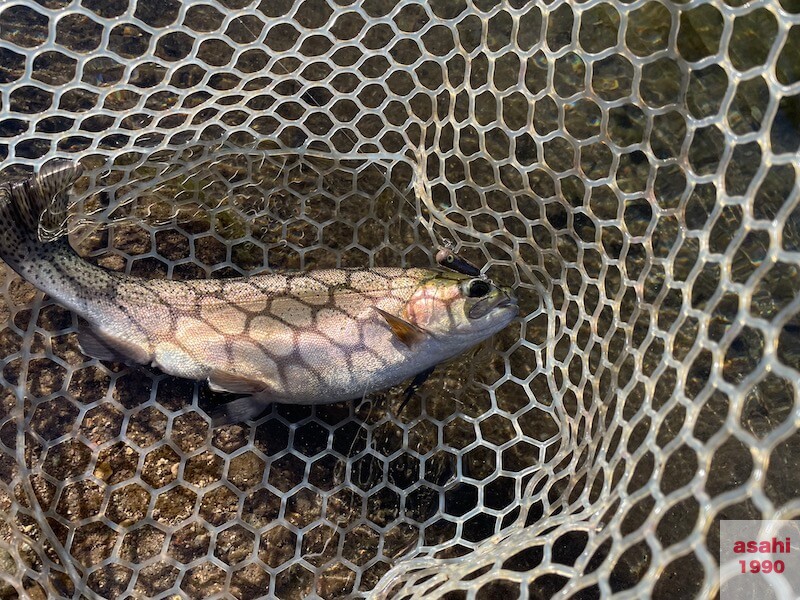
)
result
[(632, 179)]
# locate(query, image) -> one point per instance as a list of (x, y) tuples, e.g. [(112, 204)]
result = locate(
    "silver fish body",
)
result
[(317, 337)]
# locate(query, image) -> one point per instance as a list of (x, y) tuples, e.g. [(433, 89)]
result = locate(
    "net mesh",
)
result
[(629, 167)]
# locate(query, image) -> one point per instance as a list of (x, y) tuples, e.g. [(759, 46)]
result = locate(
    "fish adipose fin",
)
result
[(406, 332), (105, 347)]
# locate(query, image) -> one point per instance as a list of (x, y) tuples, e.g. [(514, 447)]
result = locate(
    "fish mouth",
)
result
[(506, 302), (487, 305), (509, 302)]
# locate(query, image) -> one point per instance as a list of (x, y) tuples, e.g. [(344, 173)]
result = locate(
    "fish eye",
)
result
[(477, 288)]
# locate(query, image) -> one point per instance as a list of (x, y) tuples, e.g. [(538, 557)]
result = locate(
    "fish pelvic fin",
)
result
[(224, 381), (406, 332), (236, 411)]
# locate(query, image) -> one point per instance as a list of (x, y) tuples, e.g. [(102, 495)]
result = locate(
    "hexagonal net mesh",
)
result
[(629, 167)]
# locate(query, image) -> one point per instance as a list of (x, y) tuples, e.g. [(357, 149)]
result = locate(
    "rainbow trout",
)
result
[(307, 338)]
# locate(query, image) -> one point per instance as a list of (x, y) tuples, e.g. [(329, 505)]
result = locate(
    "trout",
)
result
[(307, 338)]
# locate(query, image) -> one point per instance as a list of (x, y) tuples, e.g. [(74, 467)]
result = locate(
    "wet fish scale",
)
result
[(303, 325)]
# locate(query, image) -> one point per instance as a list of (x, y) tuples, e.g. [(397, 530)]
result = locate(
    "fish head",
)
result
[(453, 304)]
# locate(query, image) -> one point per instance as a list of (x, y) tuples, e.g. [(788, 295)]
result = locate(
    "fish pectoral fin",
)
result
[(236, 411), (102, 346), (406, 332), (415, 384), (224, 381)]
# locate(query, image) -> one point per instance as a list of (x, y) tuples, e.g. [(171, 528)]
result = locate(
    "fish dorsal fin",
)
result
[(102, 346), (406, 332), (224, 381)]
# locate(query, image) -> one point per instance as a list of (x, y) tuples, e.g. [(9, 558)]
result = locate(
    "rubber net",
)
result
[(629, 167)]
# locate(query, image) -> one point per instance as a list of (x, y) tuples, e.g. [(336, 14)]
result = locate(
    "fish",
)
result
[(313, 337)]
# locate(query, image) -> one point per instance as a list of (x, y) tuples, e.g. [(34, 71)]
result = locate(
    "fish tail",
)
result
[(53, 267), (23, 203)]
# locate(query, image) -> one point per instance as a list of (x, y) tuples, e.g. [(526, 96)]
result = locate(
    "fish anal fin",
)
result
[(224, 381), (102, 346), (236, 411), (406, 332)]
